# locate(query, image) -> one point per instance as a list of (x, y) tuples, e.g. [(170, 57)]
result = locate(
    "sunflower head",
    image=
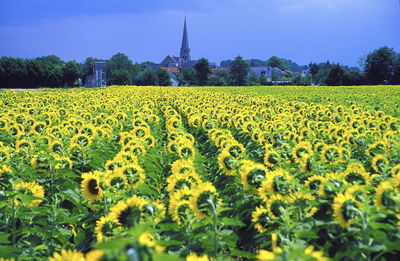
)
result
[(344, 209), (90, 186)]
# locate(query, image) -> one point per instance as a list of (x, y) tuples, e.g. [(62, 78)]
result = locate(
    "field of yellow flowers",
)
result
[(153, 173)]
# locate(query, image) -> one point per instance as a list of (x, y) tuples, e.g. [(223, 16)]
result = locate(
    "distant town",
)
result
[(382, 66)]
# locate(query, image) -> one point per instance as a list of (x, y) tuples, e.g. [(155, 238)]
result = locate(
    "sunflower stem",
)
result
[(214, 211), (13, 221)]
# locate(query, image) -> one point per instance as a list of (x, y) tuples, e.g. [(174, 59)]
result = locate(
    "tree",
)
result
[(189, 75), (313, 68), (239, 71), (379, 66), (71, 73), (120, 77), (146, 78), (163, 77), (335, 76), (277, 62), (202, 68), (121, 61), (13, 73), (253, 80)]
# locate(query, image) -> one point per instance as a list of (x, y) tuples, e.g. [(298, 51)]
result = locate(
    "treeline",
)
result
[(48, 71), (381, 66), (52, 72)]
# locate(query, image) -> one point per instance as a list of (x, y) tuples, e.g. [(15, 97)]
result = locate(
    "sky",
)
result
[(304, 31)]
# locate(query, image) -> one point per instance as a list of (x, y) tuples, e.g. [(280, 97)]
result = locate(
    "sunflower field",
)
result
[(163, 173)]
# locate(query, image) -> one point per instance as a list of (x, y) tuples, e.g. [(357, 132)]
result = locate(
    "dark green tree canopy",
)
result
[(146, 78), (239, 71), (71, 72), (380, 65), (202, 68), (163, 77), (277, 62), (120, 77)]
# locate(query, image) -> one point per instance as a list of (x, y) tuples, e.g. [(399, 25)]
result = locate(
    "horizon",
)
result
[(69, 29)]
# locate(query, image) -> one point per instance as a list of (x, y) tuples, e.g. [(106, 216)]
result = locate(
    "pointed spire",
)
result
[(185, 50)]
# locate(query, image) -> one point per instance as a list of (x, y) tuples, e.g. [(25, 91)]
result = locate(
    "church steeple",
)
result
[(185, 50)]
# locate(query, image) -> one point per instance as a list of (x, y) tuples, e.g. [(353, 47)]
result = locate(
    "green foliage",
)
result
[(71, 72), (120, 77), (379, 66), (163, 77), (146, 78), (202, 68), (239, 71), (277, 62)]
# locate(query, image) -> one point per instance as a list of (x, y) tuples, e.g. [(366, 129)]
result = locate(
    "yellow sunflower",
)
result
[(227, 163), (343, 209), (90, 186), (30, 188), (260, 217), (252, 173), (105, 227), (385, 195), (134, 174), (181, 166), (355, 173), (200, 201), (378, 162), (128, 213), (67, 255)]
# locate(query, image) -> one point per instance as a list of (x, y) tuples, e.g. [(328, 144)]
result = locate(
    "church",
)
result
[(175, 64)]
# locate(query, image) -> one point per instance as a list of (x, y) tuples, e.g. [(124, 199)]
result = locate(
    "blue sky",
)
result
[(302, 30)]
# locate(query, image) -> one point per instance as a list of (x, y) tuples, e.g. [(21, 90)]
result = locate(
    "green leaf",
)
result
[(232, 222)]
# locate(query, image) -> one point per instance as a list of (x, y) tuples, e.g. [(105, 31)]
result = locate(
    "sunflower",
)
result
[(260, 219), (333, 184), (359, 192), (378, 147), (115, 180), (30, 188), (331, 154), (313, 183), (63, 162), (82, 140), (386, 194), (94, 255), (129, 212), (181, 166), (302, 151), (56, 146), (179, 181), (105, 227), (235, 149), (200, 201), (378, 162), (265, 255), (186, 151), (395, 172), (67, 255), (271, 158), (134, 174), (252, 174), (276, 204), (195, 257), (227, 163), (355, 173), (277, 181), (179, 210), (315, 255), (147, 239), (343, 209), (90, 186)]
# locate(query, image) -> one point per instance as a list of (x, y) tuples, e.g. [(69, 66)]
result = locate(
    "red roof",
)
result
[(172, 69)]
